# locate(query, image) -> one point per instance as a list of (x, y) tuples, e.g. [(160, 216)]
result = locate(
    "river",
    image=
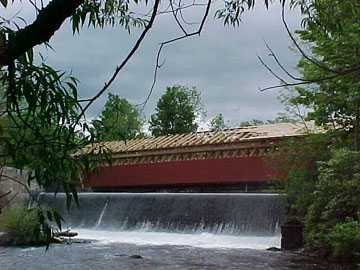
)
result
[(113, 255), (167, 231)]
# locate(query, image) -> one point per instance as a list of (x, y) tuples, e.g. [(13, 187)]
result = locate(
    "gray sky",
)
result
[(222, 63)]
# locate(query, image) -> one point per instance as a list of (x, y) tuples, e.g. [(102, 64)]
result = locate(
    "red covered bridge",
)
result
[(230, 157)]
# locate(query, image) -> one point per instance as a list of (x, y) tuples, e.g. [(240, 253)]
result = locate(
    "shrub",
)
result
[(323, 187), (345, 239), (336, 194), (335, 201), (22, 226), (295, 162)]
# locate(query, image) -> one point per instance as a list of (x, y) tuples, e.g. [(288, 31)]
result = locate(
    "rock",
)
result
[(66, 234), (135, 256), (273, 249)]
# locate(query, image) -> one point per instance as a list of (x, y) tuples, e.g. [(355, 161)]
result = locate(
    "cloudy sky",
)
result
[(222, 63)]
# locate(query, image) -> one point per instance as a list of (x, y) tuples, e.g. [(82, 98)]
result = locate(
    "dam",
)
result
[(238, 218)]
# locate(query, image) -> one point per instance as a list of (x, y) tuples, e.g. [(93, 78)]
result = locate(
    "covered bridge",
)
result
[(228, 158)]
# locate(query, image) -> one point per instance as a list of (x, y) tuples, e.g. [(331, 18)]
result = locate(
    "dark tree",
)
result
[(176, 111), (118, 121)]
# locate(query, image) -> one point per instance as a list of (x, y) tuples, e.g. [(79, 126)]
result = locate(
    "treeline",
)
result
[(177, 111)]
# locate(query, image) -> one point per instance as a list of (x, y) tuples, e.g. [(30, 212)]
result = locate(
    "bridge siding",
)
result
[(186, 172)]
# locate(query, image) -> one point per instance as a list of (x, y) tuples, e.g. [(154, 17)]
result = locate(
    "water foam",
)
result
[(201, 240)]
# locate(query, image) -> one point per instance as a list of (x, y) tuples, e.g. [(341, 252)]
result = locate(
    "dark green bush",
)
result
[(345, 239), (295, 162), (336, 194), (335, 201), (323, 186)]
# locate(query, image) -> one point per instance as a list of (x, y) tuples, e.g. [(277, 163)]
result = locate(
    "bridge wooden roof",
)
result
[(191, 142)]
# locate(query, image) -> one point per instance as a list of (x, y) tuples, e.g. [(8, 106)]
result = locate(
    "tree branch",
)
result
[(333, 73), (40, 31), (184, 36), (123, 63), (3, 195)]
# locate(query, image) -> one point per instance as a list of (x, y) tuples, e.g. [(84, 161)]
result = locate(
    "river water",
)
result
[(111, 255), (167, 231)]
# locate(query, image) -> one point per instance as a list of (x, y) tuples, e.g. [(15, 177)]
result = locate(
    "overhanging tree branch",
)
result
[(123, 63), (40, 31), (184, 36), (333, 73)]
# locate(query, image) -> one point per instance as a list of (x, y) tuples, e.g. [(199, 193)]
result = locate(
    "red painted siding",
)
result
[(188, 172)]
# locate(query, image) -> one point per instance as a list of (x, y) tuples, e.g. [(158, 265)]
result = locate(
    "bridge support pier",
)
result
[(292, 235)]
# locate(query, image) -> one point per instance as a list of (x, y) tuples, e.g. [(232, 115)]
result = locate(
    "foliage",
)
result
[(331, 29), (41, 126), (108, 12), (281, 118), (119, 120), (345, 239), (176, 111), (330, 204), (233, 9), (337, 189), (334, 201), (218, 123), (41, 130), (323, 184), (295, 163), (23, 226)]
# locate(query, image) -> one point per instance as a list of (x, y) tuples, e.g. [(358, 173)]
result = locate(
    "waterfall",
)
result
[(218, 213), (101, 215)]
